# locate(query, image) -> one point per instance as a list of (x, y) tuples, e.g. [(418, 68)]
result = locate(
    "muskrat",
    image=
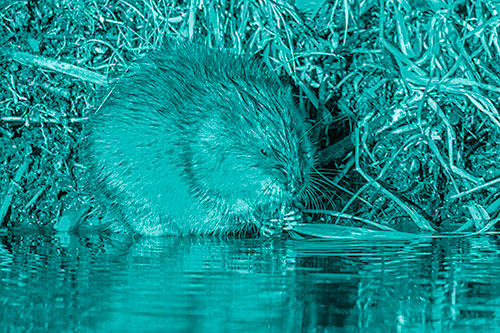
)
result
[(195, 140)]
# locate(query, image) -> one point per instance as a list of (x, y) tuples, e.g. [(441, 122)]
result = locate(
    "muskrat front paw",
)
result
[(271, 227), (292, 218), (287, 220)]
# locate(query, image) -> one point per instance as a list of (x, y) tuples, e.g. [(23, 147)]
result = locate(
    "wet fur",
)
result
[(195, 141)]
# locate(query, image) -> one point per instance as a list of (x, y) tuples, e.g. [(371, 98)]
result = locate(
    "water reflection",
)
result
[(61, 283)]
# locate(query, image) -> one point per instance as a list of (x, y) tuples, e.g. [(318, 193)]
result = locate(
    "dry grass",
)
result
[(404, 96)]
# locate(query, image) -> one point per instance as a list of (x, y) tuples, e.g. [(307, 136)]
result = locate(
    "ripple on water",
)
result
[(66, 283)]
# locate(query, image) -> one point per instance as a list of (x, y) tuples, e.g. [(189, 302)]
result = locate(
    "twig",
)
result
[(35, 197), (10, 193), (57, 66), (38, 120), (475, 189), (340, 215)]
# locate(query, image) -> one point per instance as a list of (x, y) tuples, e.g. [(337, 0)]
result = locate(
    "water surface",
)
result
[(85, 284)]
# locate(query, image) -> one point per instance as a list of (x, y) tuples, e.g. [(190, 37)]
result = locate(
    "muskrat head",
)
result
[(256, 155)]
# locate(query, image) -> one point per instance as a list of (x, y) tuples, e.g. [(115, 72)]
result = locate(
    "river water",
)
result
[(66, 283)]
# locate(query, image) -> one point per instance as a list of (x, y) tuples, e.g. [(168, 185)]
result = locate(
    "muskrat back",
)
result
[(194, 140)]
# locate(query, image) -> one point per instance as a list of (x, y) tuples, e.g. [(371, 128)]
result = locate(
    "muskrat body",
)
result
[(194, 140)]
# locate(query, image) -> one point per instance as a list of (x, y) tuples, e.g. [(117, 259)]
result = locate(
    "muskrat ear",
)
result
[(263, 151)]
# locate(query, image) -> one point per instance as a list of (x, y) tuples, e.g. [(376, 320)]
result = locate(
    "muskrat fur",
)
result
[(194, 140)]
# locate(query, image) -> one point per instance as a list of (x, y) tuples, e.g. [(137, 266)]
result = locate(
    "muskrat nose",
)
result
[(291, 183)]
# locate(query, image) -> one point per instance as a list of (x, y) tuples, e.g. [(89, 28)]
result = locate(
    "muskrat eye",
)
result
[(263, 152)]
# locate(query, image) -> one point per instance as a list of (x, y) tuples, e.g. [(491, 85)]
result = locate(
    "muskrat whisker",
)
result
[(324, 192), (319, 202), (326, 171), (322, 173), (328, 176), (309, 197), (327, 180), (311, 200), (318, 192), (265, 192), (320, 181), (308, 131), (320, 186)]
